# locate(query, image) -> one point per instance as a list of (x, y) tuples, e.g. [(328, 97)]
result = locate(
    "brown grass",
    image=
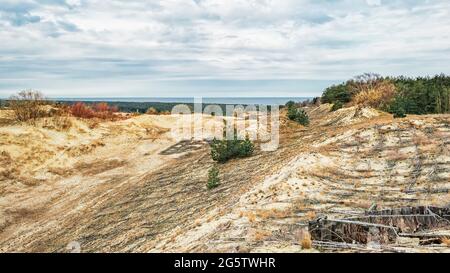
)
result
[(58, 123), (250, 216), (30, 181), (306, 241), (420, 140), (373, 92), (93, 168), (311, 215), (396, 156), (273, 213), (60, 171), (446, 241), (9, 173), (261, 235), (377, 95)]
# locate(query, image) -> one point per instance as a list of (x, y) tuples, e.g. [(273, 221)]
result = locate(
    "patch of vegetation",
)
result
[(225, 149), (397, 108), (337, 93), (152, 111), (336, 106), (421, 95), (424, 95), (290, 104), (298, 115), (213, 178), (28, 105), (98, 110)]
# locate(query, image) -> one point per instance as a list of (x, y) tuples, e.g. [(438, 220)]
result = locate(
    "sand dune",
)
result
[(130, 186)]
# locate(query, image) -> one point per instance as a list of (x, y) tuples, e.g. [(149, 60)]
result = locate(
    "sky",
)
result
[(215, 48)]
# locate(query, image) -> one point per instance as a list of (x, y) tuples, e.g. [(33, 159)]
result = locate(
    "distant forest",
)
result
[(402, 95), (136, 107), (142, 107)]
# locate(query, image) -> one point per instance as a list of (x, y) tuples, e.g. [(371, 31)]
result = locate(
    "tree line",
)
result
[(407, 95)]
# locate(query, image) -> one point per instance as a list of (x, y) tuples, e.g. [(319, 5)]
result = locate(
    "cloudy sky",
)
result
[(169, 48)]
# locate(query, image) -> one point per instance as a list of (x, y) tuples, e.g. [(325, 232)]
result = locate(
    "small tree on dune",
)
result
[(298, 115), (213, 178)]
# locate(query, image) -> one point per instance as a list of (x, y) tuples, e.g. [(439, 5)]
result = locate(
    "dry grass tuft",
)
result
[(446, 241), (261, 235), (250, 216), (58, 123), (197, 223), (305, 240), (311, 215)]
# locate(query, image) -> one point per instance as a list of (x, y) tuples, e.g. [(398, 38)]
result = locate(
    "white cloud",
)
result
[(84, 42)]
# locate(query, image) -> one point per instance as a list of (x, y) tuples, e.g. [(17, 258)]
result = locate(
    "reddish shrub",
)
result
[(81, 110), (114, 109), (101, 107), (99, 110)]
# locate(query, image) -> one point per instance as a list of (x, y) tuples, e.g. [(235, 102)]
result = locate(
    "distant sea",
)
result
[(223, 100)]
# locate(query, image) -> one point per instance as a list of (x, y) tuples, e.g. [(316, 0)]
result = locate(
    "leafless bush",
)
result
[(28, 105)]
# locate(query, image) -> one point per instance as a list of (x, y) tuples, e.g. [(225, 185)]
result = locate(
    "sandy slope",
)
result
[(129, 186)]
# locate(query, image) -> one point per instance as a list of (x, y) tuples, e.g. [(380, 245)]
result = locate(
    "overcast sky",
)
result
[(215, 47)]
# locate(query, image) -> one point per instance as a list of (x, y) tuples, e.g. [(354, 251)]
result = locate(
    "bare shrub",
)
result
[(28, 105)]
